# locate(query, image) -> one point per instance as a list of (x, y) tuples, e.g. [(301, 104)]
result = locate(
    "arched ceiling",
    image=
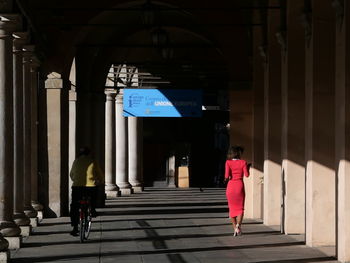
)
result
[(210, 37)]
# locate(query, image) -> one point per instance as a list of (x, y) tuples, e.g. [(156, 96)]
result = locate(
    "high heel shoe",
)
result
[(238, 231)]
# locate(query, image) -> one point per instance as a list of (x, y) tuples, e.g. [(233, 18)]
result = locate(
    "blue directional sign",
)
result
[(162, 103)]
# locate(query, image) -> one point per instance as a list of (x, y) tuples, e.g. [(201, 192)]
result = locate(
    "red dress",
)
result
[(235, 187)]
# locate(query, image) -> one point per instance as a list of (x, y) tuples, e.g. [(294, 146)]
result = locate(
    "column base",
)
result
[(34, 221), (160, 184), (111, 188), (40, 215), (30, 212), (9, 229), (4, 244), (112, 194), (14, 242), (172, 185), (4, 256), (126, 191), (137, 189), (21, 219), (26, 230), (37, 206)]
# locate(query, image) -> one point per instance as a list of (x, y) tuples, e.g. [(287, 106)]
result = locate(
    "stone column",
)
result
[(134, 153), (122, 147), (140, 151), (84, 117), (72, 134), (72, 119), (7, 226), (98, 139), (34, 133), (319, 140), (19, 217), (293, 120), (54, 86), (241, 114), (98, 104), (342, 128), (171, 170), (111, 189), (272, 119), (257, 169), (27, 106), (42, 145)]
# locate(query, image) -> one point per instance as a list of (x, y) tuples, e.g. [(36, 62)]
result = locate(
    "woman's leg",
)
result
[(239, 223), (240, 219), (234, 222)]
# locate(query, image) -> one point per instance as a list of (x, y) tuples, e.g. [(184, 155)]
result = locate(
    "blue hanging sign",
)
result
[(162, 103)]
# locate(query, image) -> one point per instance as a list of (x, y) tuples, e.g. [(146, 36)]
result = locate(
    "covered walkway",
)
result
[(164, 225), (272, 76)]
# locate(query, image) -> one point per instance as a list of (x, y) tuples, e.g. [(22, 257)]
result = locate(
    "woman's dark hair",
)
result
[(234, 152)]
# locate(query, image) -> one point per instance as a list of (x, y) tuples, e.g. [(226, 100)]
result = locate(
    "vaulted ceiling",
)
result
[(181, 40)]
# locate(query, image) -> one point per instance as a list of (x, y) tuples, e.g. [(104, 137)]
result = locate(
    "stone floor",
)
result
[(166, 225)]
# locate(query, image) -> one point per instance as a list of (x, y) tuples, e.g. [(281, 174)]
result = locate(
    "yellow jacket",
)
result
[(86, 172)]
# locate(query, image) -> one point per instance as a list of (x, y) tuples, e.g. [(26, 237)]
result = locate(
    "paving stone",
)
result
[(166, 225)]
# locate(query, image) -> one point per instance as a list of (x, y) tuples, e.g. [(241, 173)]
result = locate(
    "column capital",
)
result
[(110, 94), (54, 75), (28, 49), (120, 96), (19, 39), (120, 91), (9, 23), (27, 52), (111, 91), (54, 81)]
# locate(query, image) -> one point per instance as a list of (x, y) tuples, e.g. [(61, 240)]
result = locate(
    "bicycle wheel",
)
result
[(87, 223), (82, 226)]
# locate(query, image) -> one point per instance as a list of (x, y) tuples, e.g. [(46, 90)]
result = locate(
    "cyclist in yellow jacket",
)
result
[(86, 176)]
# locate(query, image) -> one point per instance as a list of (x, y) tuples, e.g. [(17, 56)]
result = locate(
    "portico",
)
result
[(274, 72)]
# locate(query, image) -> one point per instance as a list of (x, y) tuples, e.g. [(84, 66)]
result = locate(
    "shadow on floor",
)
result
[(300, 260), (131, 205), (195, 231), (167, 211), (152, 252)]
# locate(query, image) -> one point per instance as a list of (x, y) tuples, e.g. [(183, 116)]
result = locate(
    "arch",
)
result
[(189, 23)]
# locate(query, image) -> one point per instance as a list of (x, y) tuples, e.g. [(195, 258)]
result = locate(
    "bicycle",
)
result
[(85, 219)]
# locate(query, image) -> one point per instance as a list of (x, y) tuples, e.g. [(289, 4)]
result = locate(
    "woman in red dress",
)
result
[(235, 169)]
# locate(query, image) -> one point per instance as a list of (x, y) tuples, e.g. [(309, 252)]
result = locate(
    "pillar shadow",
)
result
[(167, 211), (43, 165), (301, 260), (153, 252), (152, 236), (176, 258), (104, 220), (157, 241), (123, 205)]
